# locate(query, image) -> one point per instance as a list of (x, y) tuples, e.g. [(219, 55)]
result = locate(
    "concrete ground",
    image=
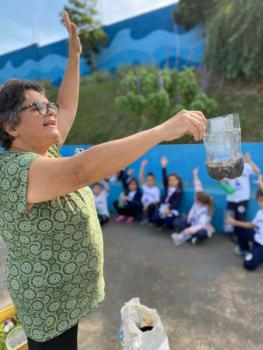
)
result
[(204, 297)]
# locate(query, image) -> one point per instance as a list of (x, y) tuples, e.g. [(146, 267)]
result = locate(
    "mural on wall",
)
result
[(152, 38)]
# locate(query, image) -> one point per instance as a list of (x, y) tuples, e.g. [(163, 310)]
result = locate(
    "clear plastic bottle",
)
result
[(223, 147)]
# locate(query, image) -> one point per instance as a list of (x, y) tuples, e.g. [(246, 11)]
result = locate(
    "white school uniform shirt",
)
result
[(258, 221), (101, 202), (241, 185), (150, 195), (199, 217)]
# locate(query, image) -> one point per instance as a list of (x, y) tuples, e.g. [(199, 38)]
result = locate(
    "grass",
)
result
[(99, 121)]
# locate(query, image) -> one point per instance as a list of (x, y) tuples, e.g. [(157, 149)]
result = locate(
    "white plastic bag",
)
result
[(136, 332)]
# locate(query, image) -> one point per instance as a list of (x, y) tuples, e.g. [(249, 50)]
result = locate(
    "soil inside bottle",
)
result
[(146, 328), (228, 169)]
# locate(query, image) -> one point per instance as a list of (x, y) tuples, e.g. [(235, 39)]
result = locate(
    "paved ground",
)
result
[(205, 299)]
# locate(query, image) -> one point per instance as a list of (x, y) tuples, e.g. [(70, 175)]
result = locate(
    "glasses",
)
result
[(43, 107)]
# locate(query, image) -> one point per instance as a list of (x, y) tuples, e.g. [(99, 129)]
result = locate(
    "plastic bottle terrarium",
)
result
[(222, 141)]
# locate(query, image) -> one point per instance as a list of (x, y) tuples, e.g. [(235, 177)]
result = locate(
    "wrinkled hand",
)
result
[(184, 122), (74, 41), (164, 162), (123, 198)]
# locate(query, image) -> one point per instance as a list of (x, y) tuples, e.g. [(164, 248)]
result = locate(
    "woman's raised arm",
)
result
[(50, 178)]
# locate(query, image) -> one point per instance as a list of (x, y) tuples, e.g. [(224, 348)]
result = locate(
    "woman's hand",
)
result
[(74, 41), (184, 122)]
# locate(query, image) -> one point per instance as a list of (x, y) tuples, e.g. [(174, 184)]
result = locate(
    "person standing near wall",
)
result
[(48, 219)]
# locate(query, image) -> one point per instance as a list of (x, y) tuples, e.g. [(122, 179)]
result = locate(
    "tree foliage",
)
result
[(234, 40), (150, 95), (233, 30), (85, 15), (190, 13)]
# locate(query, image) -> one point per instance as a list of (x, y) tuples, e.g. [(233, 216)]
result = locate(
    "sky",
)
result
[(29, 21)]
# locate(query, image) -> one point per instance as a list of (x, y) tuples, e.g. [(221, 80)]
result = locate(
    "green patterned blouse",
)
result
[(54, 268)]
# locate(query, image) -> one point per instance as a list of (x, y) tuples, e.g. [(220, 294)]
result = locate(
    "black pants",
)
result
[(131, 208), (103, 219), (151, 210), (254, 258), (181, 224), (240, 214), (65, 341)]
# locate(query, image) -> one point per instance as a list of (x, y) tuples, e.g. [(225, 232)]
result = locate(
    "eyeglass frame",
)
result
[(48, 104)]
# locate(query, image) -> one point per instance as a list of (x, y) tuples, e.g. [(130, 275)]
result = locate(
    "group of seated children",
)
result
[(143, 202)]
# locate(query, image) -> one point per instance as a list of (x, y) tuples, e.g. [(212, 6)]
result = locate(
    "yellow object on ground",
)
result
[(7, 313)]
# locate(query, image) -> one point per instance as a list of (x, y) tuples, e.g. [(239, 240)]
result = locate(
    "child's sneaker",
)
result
[(129, 220), (240, 252), (194, 240), (120, 218)]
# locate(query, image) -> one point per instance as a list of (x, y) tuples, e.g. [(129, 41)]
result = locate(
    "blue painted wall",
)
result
[(152, 38), (182, 159)]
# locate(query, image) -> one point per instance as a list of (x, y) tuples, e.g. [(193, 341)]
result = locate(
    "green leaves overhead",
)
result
[(233, 30)]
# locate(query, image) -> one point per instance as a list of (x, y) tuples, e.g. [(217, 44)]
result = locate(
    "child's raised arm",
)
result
[(141, 174), (106, 186), (254, 167), (260, 182), (164, 162), (197, 183)]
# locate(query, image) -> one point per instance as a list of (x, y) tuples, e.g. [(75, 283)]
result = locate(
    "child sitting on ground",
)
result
[(238, 201), (129, 207), (168, 211), (198, 225), (151, 193), (101, 201), (253, 233)]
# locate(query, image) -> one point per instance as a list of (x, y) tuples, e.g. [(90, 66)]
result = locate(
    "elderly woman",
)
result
[(54, 269)]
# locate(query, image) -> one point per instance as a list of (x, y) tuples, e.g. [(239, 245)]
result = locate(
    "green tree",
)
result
[(190, 13), (85, 15), (233, 31), (234, 40), (150, 95)]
